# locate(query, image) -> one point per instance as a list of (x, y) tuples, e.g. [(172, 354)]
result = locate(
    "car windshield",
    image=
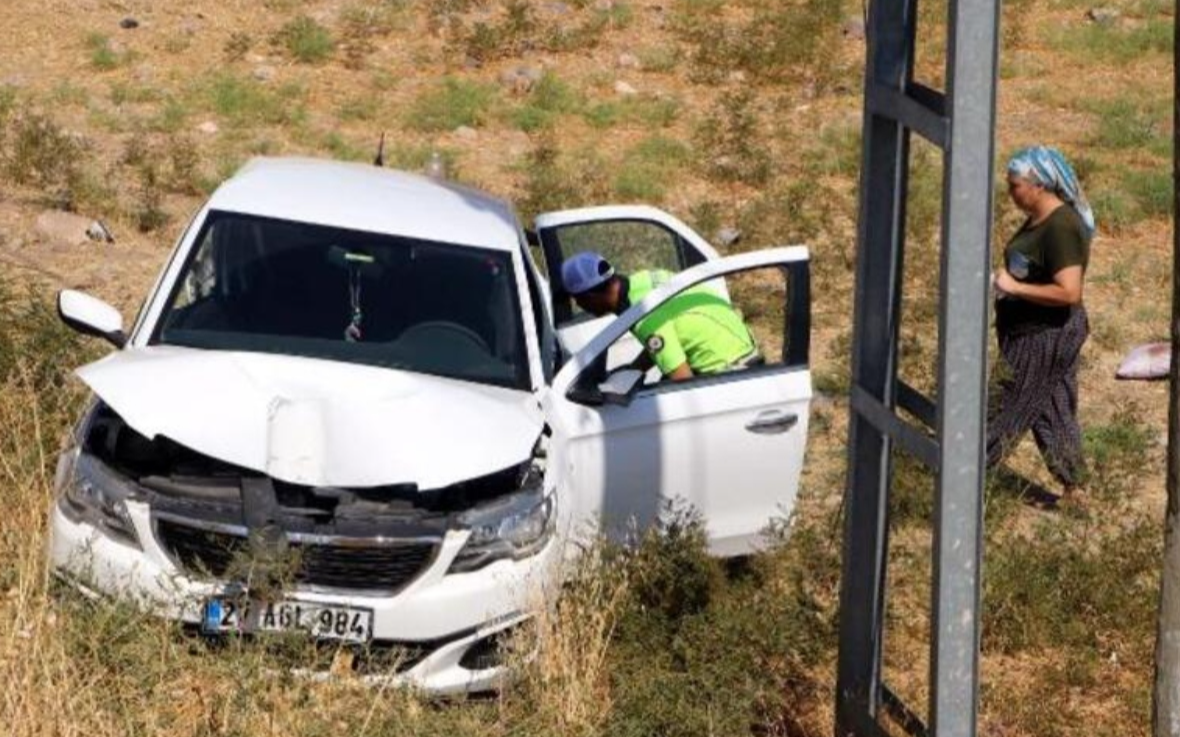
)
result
[(275, 286)]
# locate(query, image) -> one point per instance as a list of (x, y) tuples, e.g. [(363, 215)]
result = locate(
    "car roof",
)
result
[(369, 198)]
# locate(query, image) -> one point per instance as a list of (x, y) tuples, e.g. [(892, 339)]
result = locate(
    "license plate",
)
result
[(324, 621)]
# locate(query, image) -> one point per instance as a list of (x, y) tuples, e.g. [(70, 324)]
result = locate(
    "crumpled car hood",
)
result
[(315, 422)]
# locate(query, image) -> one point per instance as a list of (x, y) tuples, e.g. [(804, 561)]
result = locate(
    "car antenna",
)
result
[(380, 160)]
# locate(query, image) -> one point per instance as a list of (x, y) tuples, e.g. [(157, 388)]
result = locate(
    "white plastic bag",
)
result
[(1148, 361)]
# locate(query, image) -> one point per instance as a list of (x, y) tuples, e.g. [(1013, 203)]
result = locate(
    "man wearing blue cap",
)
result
[(696, 332)]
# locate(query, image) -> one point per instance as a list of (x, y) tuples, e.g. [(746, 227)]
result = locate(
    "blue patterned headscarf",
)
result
[(1047, 167)]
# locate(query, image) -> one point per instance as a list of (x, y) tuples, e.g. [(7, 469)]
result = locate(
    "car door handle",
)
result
[(772, 421)]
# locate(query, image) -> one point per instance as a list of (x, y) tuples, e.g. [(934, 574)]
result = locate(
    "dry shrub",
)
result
[(563, 655)]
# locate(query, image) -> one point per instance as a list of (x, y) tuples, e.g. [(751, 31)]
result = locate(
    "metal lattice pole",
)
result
[(961, 123)]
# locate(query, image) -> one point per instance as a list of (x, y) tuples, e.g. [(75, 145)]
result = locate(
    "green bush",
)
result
[(700, 652), (103, 55), (43, 155), (649, 168), (305, 40), (730, 141), (148, 213), (490, 40), (553, 181), (35, 345), (549, 99), (456, 102), (783, 42), (587, 32), (244, 102)]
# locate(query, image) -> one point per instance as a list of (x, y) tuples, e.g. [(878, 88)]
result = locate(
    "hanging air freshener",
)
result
[(353, 333)]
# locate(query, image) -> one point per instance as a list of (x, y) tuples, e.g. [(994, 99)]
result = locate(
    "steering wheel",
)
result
[(445, 326)]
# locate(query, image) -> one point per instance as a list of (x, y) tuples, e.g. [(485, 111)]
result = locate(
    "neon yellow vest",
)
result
[(697, 326)]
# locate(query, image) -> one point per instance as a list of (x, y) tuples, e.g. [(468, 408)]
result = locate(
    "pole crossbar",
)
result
[(886, 422), (911, 112)]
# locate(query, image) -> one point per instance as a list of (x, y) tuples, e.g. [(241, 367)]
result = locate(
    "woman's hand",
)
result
[(1065, 290), (1004, 282)]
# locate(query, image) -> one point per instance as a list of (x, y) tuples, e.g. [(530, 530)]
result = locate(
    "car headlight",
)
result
[(512, 527), (92, 493)]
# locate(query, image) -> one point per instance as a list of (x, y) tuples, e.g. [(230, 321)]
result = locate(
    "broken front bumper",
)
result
[(446, 619)]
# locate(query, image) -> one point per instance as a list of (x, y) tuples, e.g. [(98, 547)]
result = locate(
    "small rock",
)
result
[(727, 236), (1104, 16), (521, 79), (628, 61), (208, 127), (625, 89), (56, 226), (14, 80), (556, 8), (854, 28), (98, 231), (737, 76), (466, 132), (605, 5), (264, 73), (255, 59), (128, 23)]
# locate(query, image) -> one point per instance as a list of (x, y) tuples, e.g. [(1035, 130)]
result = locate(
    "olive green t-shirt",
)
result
[(1034, 255)]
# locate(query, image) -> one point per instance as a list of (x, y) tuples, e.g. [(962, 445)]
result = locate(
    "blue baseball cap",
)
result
[(585, 271)]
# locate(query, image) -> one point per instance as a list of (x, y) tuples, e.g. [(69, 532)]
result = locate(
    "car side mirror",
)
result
[(620, 387), (91, 316)]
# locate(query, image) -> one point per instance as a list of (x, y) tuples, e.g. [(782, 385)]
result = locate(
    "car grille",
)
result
[(386, 567)]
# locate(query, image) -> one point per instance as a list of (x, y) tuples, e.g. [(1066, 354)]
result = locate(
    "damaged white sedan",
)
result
[(353, 406)]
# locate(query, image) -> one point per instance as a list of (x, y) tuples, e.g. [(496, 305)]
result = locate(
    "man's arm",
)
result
[(680, 373), (664, 349)]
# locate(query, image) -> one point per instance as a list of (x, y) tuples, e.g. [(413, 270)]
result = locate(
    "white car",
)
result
[(352, 406)]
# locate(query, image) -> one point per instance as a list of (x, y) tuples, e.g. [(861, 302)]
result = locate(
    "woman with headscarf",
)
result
[(1040, 320)]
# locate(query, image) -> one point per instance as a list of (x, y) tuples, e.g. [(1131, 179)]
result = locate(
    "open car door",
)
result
[(730, 445), (632, 238)]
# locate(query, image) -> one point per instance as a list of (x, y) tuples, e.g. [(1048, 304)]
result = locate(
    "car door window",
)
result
[(629, 245), (763, 324)]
